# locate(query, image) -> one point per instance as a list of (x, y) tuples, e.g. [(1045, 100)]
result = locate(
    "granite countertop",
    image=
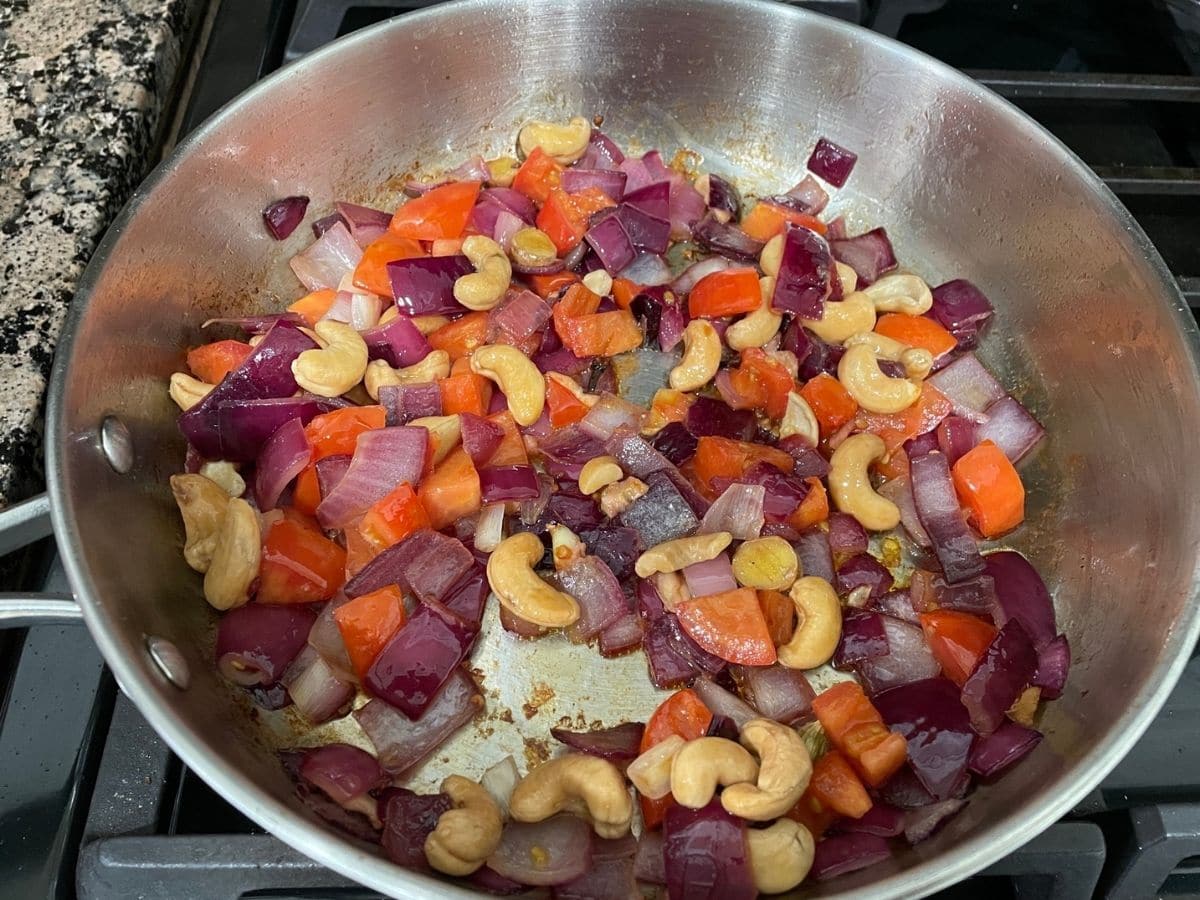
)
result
[(83, 88)]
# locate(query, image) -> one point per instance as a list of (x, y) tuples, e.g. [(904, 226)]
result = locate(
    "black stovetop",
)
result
[(92, 804)]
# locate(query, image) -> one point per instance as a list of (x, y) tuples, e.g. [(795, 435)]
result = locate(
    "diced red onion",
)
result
[(962, 309), (601, 601), (514, 624), (326, 638), (570, 449), (648, 269), (803, 282), (908, 658), (555, 851), (969, 386), (398, 342), (1054, 661), (720, 196), (257, 642), (776, 691), (384, 458), (424, 285), (323, 224), (897, 604), (846, 536), (428, 563), (938, 509), (612, 244), (365, 310), (870, 255), (905, 791), (284, 456), (975, 595), (812, 549), (514, 200), (996, 752), (366, 225), (608, 414), (508, 223), (863, 638), (881, 820), (1021, 594), (809, 194), (675, 442), (721, 702), (622, 636), (739, 510), (784, 493), (708, 416), (673, 656), (342, 771), (318, 693), (831, 162), (468, 595), (713, 576), (956, 435), (610, 181), (935, 725), (647, 233), (652, 199), (408, 819), (1011, 428), (705, 854), (480, 437), (405, 402), (1001, 675), (727, 240), (502, 483), (401, 743), (661, 514), (327, 260), (341, 308), (519, 316), (921, 823), (687, 206), (840, 854), (620, 743), (863, 570), (699, 270), (283, 216), (899, 491), (601, 153), (649, 865), (546, 268), (330, 472)]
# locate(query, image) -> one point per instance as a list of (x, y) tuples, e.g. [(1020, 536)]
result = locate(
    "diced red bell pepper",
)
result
[(452, 490), (831, 403), (725, 293), (336, 433), (371, 273), (367, 623), (212, 362), (394, 517), (299, 564), (990, 488), (957, 640), (729, 625), (538, 176), (441, 213), (854, 726)]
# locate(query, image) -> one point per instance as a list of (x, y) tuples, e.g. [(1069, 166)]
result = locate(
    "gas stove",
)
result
[(94, 805)]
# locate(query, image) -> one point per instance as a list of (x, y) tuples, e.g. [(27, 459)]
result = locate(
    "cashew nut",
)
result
[(587, 786), (484, 288), (615, 498), (783, 773), (201, 503), (651, 772), (502, 170), (523, 385), (532, 247), (599, 473), (770, 258), (701, 356), (564, 143), (573, 386), (235, 557), (332, 370), (521, 590), (598, 282), (434, 367), (427, 324), (703, 764), (917, 361), (906, 294), (843, 318), (758, 327), (566, 547), (187, 391), (765, 564), (850, 482), (672, 588), (818, 624), (226, 475), (388, 314), (469, 833), (860, 375), (780, 856), (671, 556), (799, 419), (445, 432), (847, 276)]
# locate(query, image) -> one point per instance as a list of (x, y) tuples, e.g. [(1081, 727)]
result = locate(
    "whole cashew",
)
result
[(587, 786), (843, 318), (799, 419), (598, 282), (758, 327), (651, 771), (850, 482), (202, 505), (672, 588), (599, 473), (765, 564), (780, 856), (469, 833), (445, 433), (434, 367), (521, 590), (917, 361), (332, 370), (783, 773), (671, 556), (847, 276), (818, 624), (226, 475), (502, 170), (703, 764), (860, 375), (235, 558), (701, 356), (564, 143), (522, 383), (906, 294), (532, 247), (770, 258), (615, 498), (187, 391), (484, 288)]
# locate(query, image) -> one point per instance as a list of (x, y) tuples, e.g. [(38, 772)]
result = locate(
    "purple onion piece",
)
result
[(728, 240), (621, 636), (803, 282), (908, 658), (721, 702), (706, 847), (942, 518), (555, 851), (870, 255), (342, 771), (863, 638), (1001, 675), (284, 456), (283, 216), (619, 743), (405, 402), (426, 563), (257, 642), (882, 820), (612, 243), (1011, 428), (996, 752), (601, 600), (424, 286), (863, 570), (962, 309), (610, 181), (1021, 594), (328, 260), (937, 728), (969, 386), (384, 458), (408, 819), (1054, 661), (831, 162), (846, 536), (316, 690), (776, 691), (921, 823), (366, 224), (675, 442), (839, 854), (397, 342), (813, 551)]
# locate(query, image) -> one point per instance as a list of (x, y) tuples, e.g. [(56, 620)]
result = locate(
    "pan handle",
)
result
[(25, 522), (21, 525)]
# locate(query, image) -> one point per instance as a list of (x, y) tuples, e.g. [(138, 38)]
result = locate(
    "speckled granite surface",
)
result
[(83, 85)]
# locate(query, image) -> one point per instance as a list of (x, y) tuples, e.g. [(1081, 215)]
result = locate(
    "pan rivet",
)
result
[(117, 444), (169, 661)]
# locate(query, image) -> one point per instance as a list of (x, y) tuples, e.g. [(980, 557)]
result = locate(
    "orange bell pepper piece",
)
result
[(812, 813), (831, 403), (307, 494), (547, 285), (726, 293), (931, 407), (814, 508), (359, 550), (212, 362), (766, 220), (684, 714), (367, 623), (729, 625), (564, 407), (854, 726), (990, 488), (779, 612), (916, 331), (336, 433), (465, 392), (312, 306), (957, 640), (765, 382), (462, 336), (371, 273), (564, 217), (394, 517), (624, 291), (601, 334), (451, 491), (836, 787), (511, 449), (299, 564), (538, 176), (446, 247), (441, 213), (727, 458)]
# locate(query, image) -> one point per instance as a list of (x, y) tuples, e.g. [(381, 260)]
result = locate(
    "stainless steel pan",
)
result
[(1090, 326)]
